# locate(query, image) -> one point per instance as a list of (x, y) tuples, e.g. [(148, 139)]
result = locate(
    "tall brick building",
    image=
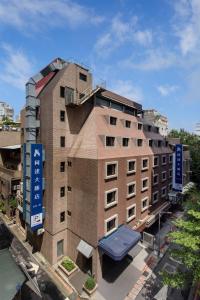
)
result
[(104, 165)]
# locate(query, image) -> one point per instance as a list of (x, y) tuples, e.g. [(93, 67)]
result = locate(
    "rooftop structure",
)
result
[(158, 120)]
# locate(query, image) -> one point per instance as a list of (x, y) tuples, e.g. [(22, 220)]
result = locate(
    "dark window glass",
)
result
[(62, 92), (82, 76), (60, 248), (69, 213), (111, 224), (127, 124), (69, 188), (62, 216), (125, 142), (139, 126), (110, 141), (131, 166), (131, 189), (62, 141), (69, 163), (139, 142), (62, 166), (145, 163), (131, 212), (150, 143), (62, 116), (62, 191), (111, 169), (113, 121), (111, 197)]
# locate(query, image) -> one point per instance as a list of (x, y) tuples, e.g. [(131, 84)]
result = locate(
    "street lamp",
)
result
[(160, 214)]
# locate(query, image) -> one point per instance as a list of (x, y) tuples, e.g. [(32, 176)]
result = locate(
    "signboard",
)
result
[(178, 176), (36, 187)]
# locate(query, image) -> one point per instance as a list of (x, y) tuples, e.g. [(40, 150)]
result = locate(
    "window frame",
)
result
[(163, 164), (105, 224), (127, 139), (170, 175), (109, 136), (108, 205), (164, 172), (106, 170), (139, 123), (62, 187), (158, 160), (170, 158), (154, 175), (110, 117), (141, 143), (62, 213), (129, 122), (62, 116), (146, 207), (145, 168), (155, 201), (131, 171), (132, 194), (62, 138), (163, 195), (62, 166), (145, 188), (128, 219)]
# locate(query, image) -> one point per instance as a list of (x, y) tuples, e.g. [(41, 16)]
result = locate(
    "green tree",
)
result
[(186, 242)]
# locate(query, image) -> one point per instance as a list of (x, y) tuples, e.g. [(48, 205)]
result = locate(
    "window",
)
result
[(69, 163), (82, 77), (69, 213), (159, 143), (170, 158), (125, 142), (62, 116), (149, 128), (62, 92), (157, 129), (155, 179), (62, 216), (145, 164), (62, 141), (111, 197), (145, 184), (170, 173), (164, 176), (69, 188), (130, 213), (170, 186), (111, 224), (131, 166), (113, 121), (150, 143), (111, 169), (155, 161), (139, 126), (166, 143), (110, 141), (60, 248), (164, 161), (127, 124), (164, 192), (62, 166), (62, 191), (144, 204), (139, 142), (131, 189), (155, 197)]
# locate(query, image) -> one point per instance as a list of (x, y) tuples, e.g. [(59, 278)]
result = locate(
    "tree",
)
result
[(186, 240)]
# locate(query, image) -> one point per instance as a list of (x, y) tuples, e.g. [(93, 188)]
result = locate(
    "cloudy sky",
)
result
[(146, 50)]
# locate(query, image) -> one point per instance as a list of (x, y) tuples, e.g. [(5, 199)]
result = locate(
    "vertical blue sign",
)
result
[(179, 166), (24, 181), (36, 187)]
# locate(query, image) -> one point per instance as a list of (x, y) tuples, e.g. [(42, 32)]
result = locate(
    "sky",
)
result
[(146, 50)]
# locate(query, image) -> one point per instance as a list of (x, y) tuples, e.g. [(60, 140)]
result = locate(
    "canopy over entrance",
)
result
[(119, 243)]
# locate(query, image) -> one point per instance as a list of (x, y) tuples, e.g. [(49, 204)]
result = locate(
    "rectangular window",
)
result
[(69, 188), (150, 143), (69, 213), (139, 142), (131, 166), (62, 141), (170, 158), (164, 175), (127, 124), (62, 166), (170, 173), (155, 161), (82, 77), (113, 121), (111, 224), (110, 141), (69, 163), (130, 213), (145, 184), (139, 126), (155, 179), (164, 161), (157, 129), (159, 143), (155, 197), (144, 204), (170, 187), (131, 189), (62, 191), (125, 142), (145, 164), (62, 216), (62, 92), (149, 128), (111, 197), (111, 169), (164, 191), (60, 248), (62, 116)]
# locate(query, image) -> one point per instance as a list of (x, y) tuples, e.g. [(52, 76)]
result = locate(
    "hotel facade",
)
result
[(104, 166)]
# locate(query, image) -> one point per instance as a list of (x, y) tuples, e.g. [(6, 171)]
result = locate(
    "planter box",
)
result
[(90, 292), (68, 273)]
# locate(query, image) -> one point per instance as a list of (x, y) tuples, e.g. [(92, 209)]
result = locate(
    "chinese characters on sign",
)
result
[(36, 186), (179, 167)]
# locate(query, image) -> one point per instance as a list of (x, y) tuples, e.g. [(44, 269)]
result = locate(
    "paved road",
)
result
[(48, 288)]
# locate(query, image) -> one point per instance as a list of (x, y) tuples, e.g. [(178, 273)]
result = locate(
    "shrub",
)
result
[(68, 264), (90, 283)]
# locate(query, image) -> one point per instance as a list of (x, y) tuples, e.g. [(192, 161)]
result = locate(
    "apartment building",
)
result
[(158, 120), (6, 111), (106, 171)]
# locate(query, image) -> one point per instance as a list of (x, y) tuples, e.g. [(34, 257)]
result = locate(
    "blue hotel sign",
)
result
[(36, 187), (179, 167)]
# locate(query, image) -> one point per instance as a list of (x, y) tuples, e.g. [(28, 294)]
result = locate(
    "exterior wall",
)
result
[(6, 111), (9, 138)]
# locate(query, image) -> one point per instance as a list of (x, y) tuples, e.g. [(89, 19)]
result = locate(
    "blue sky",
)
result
[(147, 50)]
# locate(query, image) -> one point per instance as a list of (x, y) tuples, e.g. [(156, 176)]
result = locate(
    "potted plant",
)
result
[(68, 266), (90, 285)]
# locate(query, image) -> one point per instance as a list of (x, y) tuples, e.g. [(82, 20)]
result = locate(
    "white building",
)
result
[(153, 116), (197, 129), (6, 111)]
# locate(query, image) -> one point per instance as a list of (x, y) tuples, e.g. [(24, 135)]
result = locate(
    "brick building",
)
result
[(104, 165)]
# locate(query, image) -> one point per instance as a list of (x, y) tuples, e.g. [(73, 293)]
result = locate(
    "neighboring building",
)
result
[(103, 166), (10, 165), (6, 111), (197, 129), (158, 120)]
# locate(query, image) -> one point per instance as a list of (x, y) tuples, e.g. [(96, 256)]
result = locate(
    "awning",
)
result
[(11, 276), (120, 242), (12, 147), (85, 249), (154, 215)]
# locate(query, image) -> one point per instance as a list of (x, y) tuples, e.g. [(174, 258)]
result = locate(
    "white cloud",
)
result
[(126, 89), (27, 15), (15, 67), (121, 32), (165, 90)]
